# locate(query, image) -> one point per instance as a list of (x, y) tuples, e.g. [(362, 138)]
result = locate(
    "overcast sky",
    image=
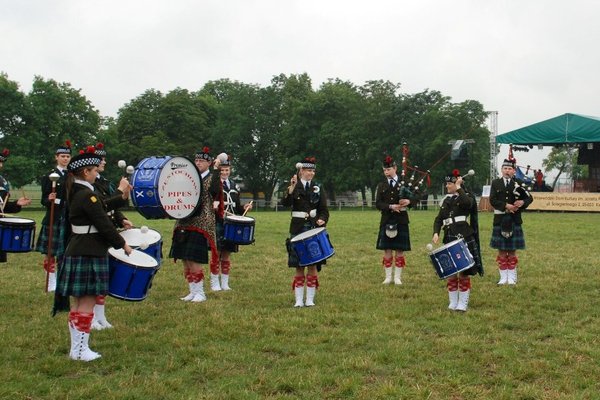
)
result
[(527, 59)]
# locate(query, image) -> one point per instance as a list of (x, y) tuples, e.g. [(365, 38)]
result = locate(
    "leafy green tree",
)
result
[(564, 160)]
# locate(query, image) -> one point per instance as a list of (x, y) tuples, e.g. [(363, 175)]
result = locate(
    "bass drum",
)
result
[(166, 187)]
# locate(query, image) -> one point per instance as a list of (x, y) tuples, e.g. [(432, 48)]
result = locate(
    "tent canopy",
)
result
[(566, 128)]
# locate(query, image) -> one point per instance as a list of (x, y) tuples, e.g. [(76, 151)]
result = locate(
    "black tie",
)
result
[(225, 186), (506, 181), (391, 183), (307, 187)]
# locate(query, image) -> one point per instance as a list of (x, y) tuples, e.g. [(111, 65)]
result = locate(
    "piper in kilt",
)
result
[(194, 235), (60, 226), (392, 199), (113, 198), (232, 206), (509, 197), (309, 211), (453, 218), (84, 272), (13, 206)]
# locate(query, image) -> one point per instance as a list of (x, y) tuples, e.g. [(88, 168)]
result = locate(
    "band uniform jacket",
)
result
[(10, 207), (87, 208), (500, 195), (455, 206), (303, 201), (60, 190), (387, 196), (113, 200)]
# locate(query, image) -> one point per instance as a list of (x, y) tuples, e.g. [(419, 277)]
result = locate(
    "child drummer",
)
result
[(309, 211), (454, 213), (7, 206), (232, 206), (84, 272)]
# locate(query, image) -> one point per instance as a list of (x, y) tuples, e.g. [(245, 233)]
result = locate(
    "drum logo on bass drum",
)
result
[(179, 189)]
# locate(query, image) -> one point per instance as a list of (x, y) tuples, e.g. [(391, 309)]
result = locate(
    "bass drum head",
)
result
[(179, 187)]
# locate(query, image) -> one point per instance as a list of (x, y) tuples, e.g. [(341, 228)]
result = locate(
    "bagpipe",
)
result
[(412, 186), (521, 190)]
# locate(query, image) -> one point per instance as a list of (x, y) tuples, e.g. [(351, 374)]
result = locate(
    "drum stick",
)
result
[(246, 210)]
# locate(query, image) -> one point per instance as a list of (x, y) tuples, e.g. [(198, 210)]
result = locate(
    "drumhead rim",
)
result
[(136, 255), (131, 239), (239, 218), (17, 220), (307, 234)]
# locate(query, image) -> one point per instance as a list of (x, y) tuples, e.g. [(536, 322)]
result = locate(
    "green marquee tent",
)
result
[(566, 128)]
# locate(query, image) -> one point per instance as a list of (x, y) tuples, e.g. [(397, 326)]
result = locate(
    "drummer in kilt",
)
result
[(509, 198), (309, 211), (393, 199), (10, 207), (194, 235), (114, 198), (232, 206), (454, 213), (84, 272), (60, 226)]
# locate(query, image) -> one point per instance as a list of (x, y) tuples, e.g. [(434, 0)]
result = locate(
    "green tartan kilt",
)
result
[(401, 242), (189, 245), (515, 242), (59, 244), (83, 276)]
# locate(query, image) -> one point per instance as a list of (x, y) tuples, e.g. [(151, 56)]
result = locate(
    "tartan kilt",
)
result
[(59, 244), (515, 242), (401, 242), (83, 276), (223, 244), (189, 245)]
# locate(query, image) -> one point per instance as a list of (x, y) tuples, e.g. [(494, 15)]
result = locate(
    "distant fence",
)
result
[(34, 193)]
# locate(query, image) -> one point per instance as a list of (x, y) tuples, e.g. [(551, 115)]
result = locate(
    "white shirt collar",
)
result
[(304, 182), (84, 183), (204, 174)]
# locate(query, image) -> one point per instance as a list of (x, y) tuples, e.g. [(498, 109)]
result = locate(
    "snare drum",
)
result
[(166, 187), (312, 246), (238, 229), (16, 234), (130, 275), (146, 240), (451, 258)]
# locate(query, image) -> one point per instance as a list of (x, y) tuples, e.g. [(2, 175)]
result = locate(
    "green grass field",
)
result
[(363, 340)]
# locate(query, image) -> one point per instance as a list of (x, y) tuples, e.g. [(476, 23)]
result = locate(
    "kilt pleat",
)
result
[(400, 242), (83, 275), (189, 245), (58, 239), (515, 242)]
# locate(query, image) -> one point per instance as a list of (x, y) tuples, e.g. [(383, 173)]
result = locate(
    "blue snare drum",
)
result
[(16, 234), (130, 275), (166, 187), (238, 229), (312, 246), (146, 240), (451, 258)]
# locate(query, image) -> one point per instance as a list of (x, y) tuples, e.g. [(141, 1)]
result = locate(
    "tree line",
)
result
[(348, 128)]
